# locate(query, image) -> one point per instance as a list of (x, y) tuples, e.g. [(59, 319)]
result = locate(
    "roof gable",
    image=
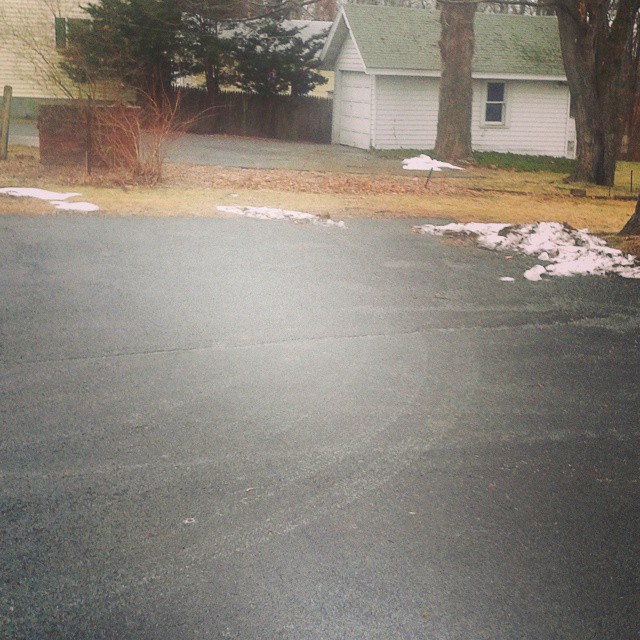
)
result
[(395, 38)]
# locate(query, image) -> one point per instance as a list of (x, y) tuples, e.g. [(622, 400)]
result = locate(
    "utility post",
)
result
[(4, 129)]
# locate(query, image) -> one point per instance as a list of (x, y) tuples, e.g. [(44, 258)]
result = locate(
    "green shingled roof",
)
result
[(399, 38)]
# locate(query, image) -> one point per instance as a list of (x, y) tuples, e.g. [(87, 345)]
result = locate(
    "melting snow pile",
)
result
[(426, 163), (58, 200), (269, 213), (568, 251)]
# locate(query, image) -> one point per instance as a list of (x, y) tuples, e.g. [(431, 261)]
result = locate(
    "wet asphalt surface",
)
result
[(244, 429), (255, 153)]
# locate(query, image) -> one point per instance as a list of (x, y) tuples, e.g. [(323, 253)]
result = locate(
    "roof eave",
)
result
[(477, 75), (538, 77), (335, 39)]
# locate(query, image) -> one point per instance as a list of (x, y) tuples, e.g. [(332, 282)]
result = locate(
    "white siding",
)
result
[(349, 58), (27, 44), (406, 112), (537, 116), (353, 106), (351, 124), (336, 108), (537, 119)]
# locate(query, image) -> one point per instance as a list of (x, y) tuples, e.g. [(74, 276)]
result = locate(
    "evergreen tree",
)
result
[(206, 46), (134, 42), (143, 43), (271, 58)]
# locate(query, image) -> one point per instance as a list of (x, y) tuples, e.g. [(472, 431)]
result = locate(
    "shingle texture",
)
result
[(399, 38)]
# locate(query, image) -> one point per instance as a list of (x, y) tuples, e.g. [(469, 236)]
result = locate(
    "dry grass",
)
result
[(490, 195), (628, 244)]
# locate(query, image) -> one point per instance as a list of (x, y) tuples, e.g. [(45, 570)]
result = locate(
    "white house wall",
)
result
[(537, 120), (349, 58), (27, 37)]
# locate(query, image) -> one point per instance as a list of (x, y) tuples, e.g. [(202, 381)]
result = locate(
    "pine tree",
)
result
[(206, 46), (271, 58), (134, 42)]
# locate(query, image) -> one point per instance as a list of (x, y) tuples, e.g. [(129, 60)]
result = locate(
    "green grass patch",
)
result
[(515, 162), (494, 160)]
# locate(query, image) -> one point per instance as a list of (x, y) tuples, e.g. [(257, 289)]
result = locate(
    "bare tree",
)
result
[(453, 140), (632, 227), (596, 37)]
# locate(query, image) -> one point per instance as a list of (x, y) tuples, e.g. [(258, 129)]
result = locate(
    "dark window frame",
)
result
[(60, 28), (495, 104)]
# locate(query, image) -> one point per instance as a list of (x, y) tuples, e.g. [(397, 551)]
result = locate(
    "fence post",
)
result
[(89, 146), (4, 130), (244, 115)]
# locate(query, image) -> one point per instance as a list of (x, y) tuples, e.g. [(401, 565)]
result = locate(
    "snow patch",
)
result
[(74, 206), (40, 194), (570, 251), (426, 163), (58, 200), (535, 273), (270, 213)]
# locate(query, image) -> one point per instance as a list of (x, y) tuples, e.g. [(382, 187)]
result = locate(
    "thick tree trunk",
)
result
[(632, 124), (453, 140), (211, 82), (213, 91), (633, 132), (158, 87), (632, 228), (595, 52)]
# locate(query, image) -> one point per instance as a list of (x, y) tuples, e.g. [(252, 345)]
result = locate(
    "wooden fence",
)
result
[(296, 118)]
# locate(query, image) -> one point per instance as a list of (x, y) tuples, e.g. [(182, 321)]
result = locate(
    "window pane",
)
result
[(494, 113), (495, 92), (61, 33)]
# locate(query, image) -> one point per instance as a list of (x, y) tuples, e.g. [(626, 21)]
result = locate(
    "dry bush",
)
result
[(133, 139)]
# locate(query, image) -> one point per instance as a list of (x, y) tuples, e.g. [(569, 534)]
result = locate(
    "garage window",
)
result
[(495, 105)]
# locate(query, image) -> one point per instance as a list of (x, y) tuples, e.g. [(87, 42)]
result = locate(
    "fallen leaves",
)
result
[(300, 181)]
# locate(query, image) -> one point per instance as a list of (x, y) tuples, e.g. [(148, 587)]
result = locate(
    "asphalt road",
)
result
[(221, 428), (256, 153), (23, 133), (261, 153)]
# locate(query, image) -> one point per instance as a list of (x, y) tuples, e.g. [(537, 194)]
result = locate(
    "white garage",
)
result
[(387, 69), (354, 115)]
